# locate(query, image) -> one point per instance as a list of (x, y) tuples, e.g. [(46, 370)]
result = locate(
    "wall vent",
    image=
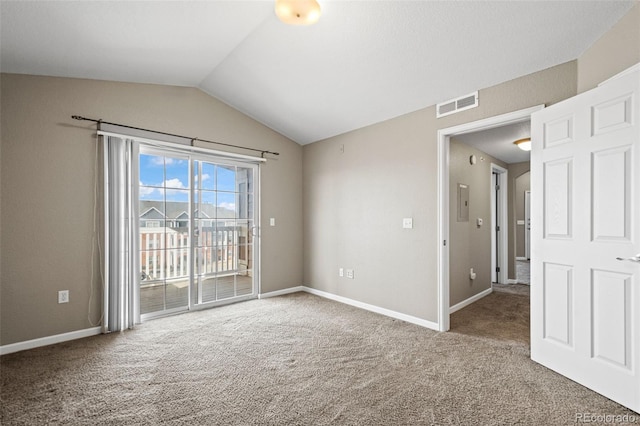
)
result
[(456, 105)]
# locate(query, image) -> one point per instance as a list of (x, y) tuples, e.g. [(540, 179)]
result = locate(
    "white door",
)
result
[(585, 304)]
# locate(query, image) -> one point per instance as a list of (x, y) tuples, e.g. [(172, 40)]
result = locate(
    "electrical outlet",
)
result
[(341, 272), (63, 296), (350, 274)]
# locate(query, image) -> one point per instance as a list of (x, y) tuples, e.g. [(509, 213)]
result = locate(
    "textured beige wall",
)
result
[(354, 201), (470, 245), (47, 193), (523, 183), (615, 51)]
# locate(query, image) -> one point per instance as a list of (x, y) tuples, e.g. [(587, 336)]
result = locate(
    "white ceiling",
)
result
[(363, 62), (498, 141)]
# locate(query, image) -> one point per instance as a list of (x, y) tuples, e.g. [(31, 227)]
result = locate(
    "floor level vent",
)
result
[(456, 105)]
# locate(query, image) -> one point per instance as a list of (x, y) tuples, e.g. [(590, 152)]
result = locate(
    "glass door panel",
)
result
[(226, 268), (164, 194)]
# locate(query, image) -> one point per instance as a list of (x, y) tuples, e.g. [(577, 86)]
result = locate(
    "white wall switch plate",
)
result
[(272, 221), (407, 223), (341, 272), (350, 273), (63, 296)]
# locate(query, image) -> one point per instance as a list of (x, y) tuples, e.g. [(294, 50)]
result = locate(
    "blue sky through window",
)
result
[(158, 172)]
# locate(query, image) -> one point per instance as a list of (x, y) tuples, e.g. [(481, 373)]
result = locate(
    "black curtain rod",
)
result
[(261, 151)]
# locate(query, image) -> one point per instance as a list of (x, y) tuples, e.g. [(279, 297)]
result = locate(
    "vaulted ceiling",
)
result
[(363, 62)]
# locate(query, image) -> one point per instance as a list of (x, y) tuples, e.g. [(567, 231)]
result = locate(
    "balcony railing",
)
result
[(165, 252)]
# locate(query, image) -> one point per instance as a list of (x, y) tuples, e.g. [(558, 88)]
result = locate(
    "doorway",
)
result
[(196, 231), (444, 136)]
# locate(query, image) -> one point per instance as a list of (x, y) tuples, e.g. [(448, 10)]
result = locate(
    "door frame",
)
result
[(501, 207), (527, 224), (443, 143)]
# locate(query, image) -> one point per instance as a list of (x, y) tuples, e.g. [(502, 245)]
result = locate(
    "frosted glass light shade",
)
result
[(298, 12), (524, 144)]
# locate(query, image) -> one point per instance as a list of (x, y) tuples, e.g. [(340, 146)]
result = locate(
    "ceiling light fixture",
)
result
[(298, 12), (523, 144)]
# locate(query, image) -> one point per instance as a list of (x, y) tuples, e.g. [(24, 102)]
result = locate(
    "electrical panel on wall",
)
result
[(463, 202)]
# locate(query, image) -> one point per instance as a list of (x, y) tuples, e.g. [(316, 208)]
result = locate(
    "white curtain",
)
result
[(121, 260)]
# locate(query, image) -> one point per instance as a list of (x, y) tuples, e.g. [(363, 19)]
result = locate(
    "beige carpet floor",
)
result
[(521, 289), (298, 360)]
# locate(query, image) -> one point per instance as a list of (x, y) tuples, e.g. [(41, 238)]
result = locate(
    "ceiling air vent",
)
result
[(456, 105)]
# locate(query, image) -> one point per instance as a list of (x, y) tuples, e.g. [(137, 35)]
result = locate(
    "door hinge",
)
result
[(497, 269), (497, 187), (497, 227), (444, 243)]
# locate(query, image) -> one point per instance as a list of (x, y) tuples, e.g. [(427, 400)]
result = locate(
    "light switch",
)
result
[(407, 223), (479, 222), (272, 221)]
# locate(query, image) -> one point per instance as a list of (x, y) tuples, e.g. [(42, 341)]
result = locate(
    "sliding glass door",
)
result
[(196, 231), (223, 231)]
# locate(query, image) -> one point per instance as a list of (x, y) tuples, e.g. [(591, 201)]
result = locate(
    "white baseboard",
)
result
[(281, 292), (383, 311), (512, 282), (49, 340), (521, 258), (470, 300)]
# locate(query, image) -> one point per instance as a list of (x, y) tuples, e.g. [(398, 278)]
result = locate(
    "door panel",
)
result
[(611, 170), (585, 303), (163, 196), (558, 131), (225, 206), (558, 198), (611, 339), (558, 317), (612, 115)]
